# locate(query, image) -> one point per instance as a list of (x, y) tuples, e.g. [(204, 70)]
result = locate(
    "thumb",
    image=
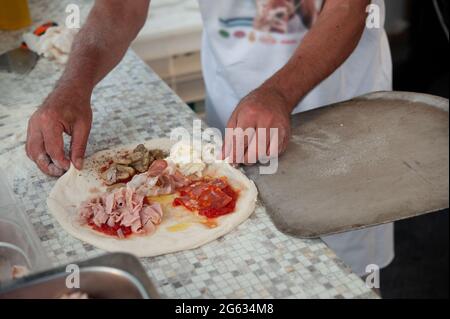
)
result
[(228, 138), (79, 140)]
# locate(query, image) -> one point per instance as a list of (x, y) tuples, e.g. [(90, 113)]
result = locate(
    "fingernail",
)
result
[(79, 163), (65, 166), (54, 170)]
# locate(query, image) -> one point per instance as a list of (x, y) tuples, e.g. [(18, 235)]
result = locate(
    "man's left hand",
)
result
[(264, 108)]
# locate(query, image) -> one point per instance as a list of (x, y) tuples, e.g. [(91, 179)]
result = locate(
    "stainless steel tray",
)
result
[(112, 276)]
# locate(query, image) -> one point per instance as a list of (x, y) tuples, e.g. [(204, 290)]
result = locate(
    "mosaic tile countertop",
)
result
[(132, 105)]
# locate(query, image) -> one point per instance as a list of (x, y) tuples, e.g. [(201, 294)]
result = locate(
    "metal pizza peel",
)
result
[(22, 60), (372, 160)]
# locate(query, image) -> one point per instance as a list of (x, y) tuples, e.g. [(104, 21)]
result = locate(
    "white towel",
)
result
[(55, 43)]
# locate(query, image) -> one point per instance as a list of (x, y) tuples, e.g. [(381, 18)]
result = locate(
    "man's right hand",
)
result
[(95, 52), (61, 112)]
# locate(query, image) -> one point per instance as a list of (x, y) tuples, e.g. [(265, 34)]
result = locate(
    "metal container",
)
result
[(19, 244), (12, 258), (112, 276)]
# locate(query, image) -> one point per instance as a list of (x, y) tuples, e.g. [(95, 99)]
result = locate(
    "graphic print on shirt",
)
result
[(271, 17)]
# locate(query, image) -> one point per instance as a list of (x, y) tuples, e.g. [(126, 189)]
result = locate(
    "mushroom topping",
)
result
[(124, 167), (123, 161), (110, 175), (158, 154), (140, 158), (115, 186), (124, 172), (140, 149), (136, 156)]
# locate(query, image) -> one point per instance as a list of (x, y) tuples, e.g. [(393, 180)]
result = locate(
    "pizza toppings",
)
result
[(132, 220), (162, 178), (188, 158), (209, 197), (121, 213), (134, 178), (122, 168), (125, 210), (157, 168), (117, 173)]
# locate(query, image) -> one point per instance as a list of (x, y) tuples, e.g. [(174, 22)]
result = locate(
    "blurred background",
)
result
[(418, 32)]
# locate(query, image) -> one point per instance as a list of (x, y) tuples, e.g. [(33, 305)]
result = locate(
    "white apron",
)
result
[(247, 41)]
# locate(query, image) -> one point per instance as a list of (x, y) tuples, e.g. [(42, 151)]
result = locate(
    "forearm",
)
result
[(326, 46), (102, 42)]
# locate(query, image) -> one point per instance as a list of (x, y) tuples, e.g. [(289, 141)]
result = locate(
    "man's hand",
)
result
[(60, 113), (264, 108), (331, 40), (95, 52)]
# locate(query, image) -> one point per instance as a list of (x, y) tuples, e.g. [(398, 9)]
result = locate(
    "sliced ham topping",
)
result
[(109, 203), (179, 180), (157, 168), (121, 213), (152, 213), (162, 178)]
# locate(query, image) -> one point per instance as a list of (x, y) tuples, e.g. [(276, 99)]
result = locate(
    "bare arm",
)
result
[(327, 45), (97, 49), (103, 41)]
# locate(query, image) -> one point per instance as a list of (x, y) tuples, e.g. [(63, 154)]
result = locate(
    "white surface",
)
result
[(170, 43), (173, 27)]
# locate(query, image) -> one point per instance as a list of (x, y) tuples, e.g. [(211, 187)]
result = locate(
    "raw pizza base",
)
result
[(76, 186)]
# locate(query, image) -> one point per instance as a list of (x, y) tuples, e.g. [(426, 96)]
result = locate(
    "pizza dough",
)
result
[(77, 186)]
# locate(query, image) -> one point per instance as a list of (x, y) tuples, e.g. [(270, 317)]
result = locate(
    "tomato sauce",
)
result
[(111, 231), (209, 197), (146, 201)]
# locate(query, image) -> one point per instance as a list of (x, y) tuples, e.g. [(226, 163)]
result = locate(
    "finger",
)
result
[(241, 142), (80, 135), (274, 144), (35, 149), (42, 160), (264, 143), (284, 144), (44, 163), (251, 154), (54, 146), (228, 142), (36, 152), (32, 138), (285, 137), (232, 120)]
